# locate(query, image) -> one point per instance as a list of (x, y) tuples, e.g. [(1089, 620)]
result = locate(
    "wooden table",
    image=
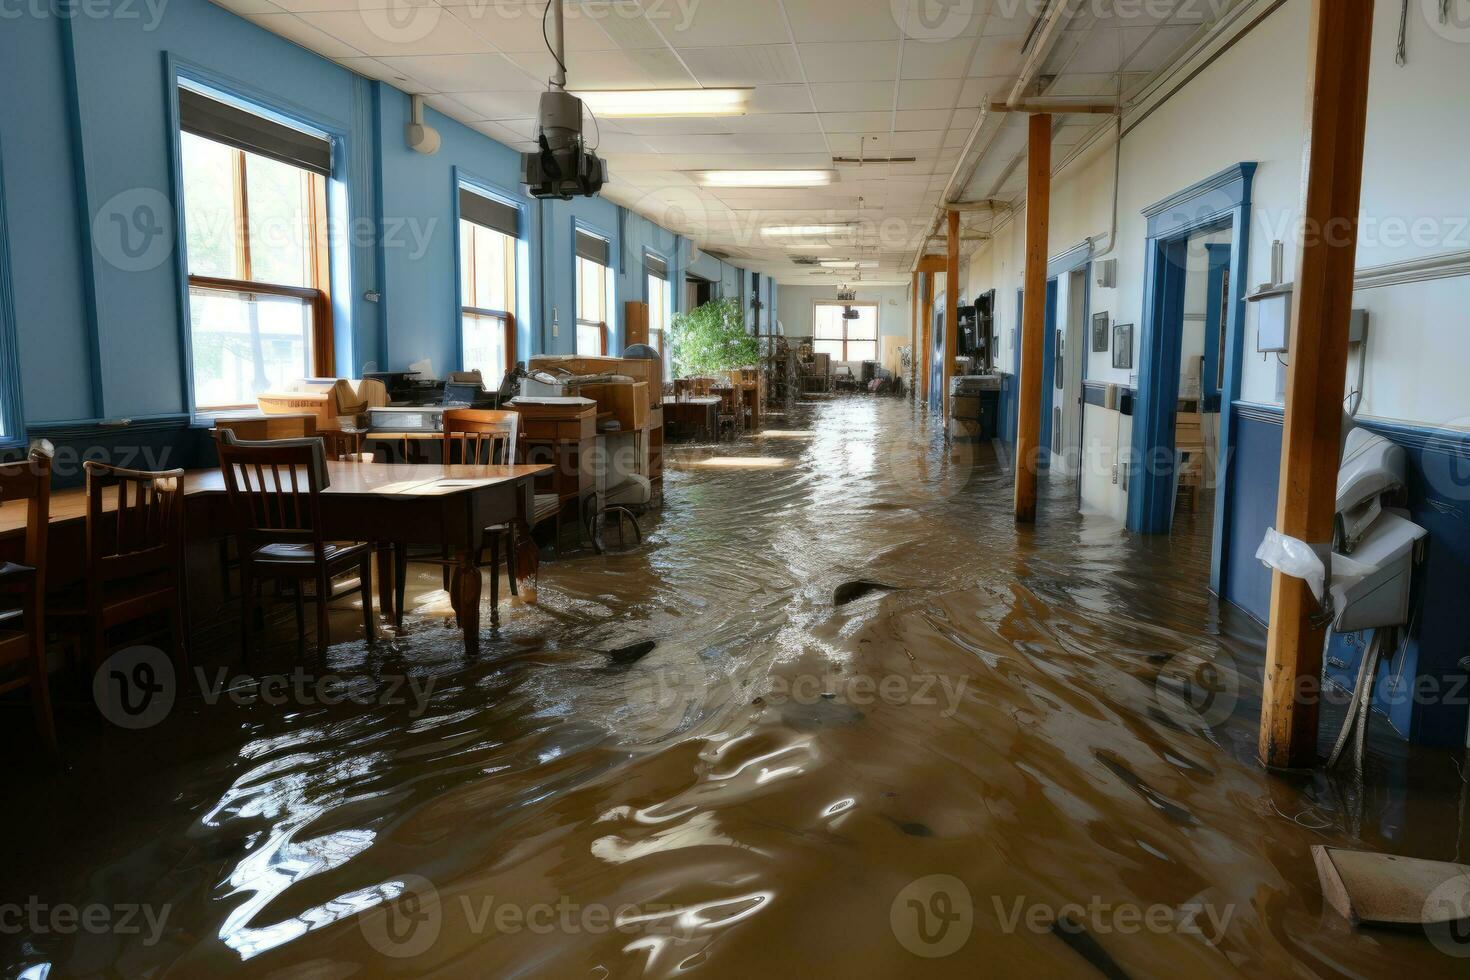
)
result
[(422, 504), (700, 412)]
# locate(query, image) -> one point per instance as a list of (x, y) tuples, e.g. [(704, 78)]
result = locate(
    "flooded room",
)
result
[(698, 488)]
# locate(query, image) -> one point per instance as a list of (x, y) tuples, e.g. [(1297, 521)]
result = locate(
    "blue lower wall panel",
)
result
[(1424, 691)]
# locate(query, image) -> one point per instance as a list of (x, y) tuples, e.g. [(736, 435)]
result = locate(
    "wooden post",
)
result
[(1341, 36), (926, 336), (951, 309), (1033, 323), (914, 339)]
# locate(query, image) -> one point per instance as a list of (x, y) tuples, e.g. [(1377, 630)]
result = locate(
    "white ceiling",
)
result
[(849, 78)]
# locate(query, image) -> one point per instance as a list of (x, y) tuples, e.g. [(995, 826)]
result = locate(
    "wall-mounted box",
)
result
[(1273, 317)]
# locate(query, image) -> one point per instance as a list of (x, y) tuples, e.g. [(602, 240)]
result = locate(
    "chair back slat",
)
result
[(143, 534), (480, 437), (271, 501)]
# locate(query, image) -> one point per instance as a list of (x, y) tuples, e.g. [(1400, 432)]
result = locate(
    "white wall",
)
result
[(1250, 105)]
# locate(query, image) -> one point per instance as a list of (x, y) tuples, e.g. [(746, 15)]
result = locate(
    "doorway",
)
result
[(1218, 204), (1070, 355)]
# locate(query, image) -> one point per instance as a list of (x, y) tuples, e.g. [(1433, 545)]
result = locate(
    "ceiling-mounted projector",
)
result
[(562, 167)]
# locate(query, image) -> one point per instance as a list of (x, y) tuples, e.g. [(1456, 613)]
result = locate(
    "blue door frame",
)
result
[(1220, 201), (1219, 269), (1048, 369)]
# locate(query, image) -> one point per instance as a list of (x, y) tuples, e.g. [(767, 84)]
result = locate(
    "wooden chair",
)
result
[(275, 490), (293, 425), (22, 629), (482, 437), (1189, 442), (134, 559)]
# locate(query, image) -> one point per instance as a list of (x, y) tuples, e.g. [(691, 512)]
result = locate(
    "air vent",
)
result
[(806, 260)]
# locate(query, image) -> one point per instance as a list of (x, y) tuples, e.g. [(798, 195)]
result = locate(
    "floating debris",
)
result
[(856, 589)]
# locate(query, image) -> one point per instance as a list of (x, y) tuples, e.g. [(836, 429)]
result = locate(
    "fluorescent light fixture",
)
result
[(805, 231), (764, 178), (846, 264), (654, 102)]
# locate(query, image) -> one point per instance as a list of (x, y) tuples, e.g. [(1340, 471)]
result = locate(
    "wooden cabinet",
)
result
[(635, 323)]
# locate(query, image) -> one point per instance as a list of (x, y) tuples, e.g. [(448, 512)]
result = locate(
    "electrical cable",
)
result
[(547, 38)]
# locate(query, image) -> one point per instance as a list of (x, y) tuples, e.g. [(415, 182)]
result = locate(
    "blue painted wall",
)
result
[(86, 136), (1439, 485)]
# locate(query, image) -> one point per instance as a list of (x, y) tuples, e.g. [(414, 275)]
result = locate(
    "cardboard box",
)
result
[(628, 402), (650, 373)]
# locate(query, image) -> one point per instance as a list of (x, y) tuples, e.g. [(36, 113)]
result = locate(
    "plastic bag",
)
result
[(1293, 557)]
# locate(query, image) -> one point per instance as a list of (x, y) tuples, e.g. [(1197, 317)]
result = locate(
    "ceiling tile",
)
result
[(855, 20), (743, 64), (853, 61), (402, 32), (466, 73), (853, 96), (292, 28), (499, 105), (857, 122), (930, 94), (517, 27), (695, 24), (942, 59), (927, 21)]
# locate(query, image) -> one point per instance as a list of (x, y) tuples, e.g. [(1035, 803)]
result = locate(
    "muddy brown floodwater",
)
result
[(1015, 752)]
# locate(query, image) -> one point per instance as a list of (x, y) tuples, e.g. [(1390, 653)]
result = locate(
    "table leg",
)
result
[(387, 589), (465, 589)]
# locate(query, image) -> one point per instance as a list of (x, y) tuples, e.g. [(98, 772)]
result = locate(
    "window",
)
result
[(592, 285), (488, 241), (846, 339), (660, 302), (255, 222)]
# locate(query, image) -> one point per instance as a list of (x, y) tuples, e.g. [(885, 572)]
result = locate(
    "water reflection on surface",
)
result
[(1031, 752)]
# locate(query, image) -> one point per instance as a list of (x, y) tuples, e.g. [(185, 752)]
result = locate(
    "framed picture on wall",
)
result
[(1100, 324), (1123, 346)]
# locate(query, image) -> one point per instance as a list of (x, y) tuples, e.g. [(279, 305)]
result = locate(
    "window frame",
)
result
[(875, 340), (465, 305), (581, 322), (662, 330), (322, 353), (12, 419)]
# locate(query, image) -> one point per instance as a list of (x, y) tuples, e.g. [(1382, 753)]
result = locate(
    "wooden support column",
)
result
[(1340, 39), (914, 339), (1033, 322), (925, 361), (951, 309)]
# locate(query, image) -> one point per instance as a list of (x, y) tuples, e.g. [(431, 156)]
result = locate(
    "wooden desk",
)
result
[(699, 413), (421, 503)]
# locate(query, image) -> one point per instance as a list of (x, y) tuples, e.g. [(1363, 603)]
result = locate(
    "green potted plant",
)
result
[(712, 338)]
